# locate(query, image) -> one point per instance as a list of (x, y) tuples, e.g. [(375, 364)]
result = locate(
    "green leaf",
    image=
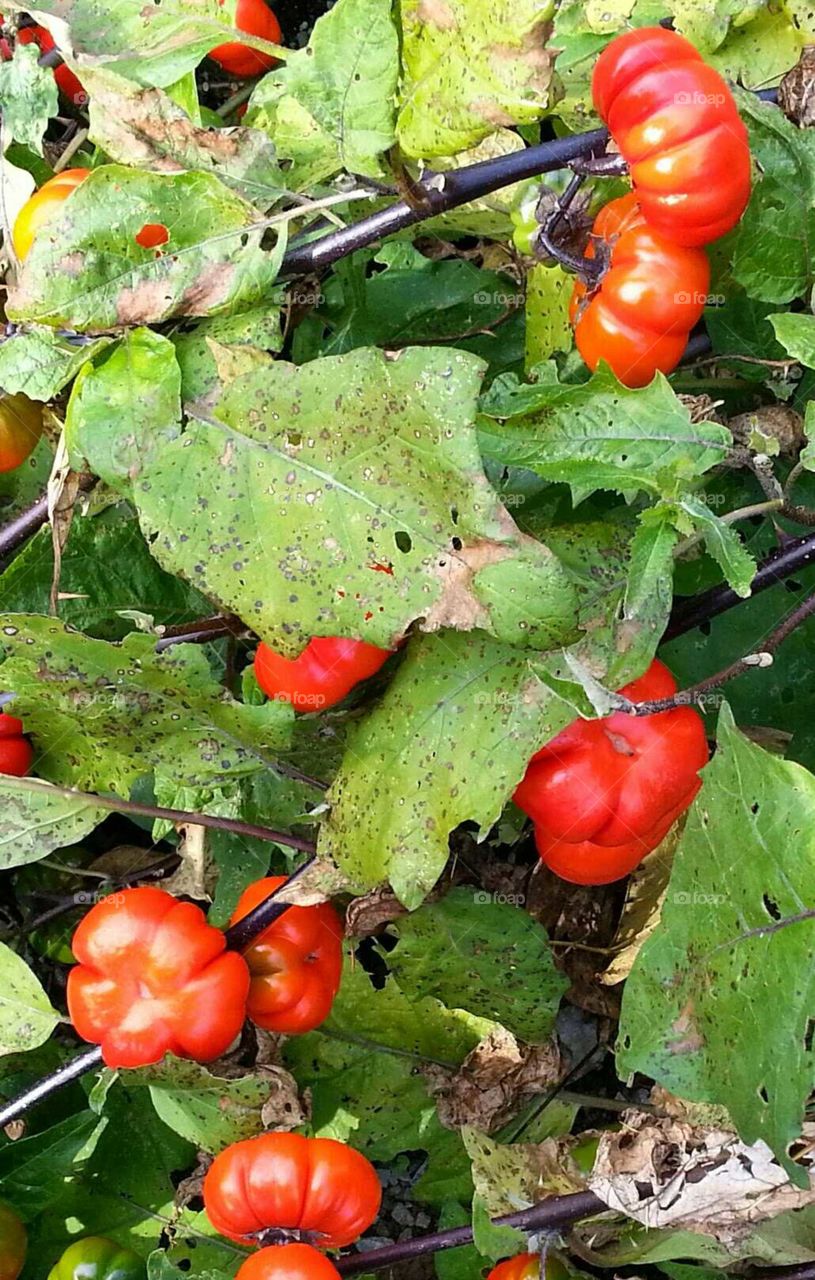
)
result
[(381, 520), (89, 272), (649, 590), (463, 1262), (796, 333), (471, 66), (599, 435), (548, 290), (40, 362), (36, 820), (194, 349), (331, 106), (29, 96), (413, 300), (146, 129), (734, 936), (102, 715), (494, 1242), (33, 1170), (124, 404), (759, 51), (20, 488), (490, 958), (456, 727), (774, 243), (208, 1110), (106, 571), (623, 576), (723, 543), (123, 1190), (154, 42), (26, 1015), (363, 1068)]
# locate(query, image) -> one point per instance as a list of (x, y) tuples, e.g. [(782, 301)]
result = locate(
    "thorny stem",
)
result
[(438, 193)]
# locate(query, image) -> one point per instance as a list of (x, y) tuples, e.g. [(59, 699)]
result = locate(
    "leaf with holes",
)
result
[(87, 269), (719, 1005), (103, 715), (456, 726), (472, 952), (331, 105), (35, 820), (26, 1016), (347, 497)]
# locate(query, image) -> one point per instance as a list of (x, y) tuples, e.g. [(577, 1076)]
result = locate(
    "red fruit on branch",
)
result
[(153, 978), (16, 752), (529, 1266), (241, 60), (676, 123), (604, 793), (322, 675), (322, 1189), (295, 964), (69, 85), (288, 1262), (42, 207), (651, 295), (21, 425)]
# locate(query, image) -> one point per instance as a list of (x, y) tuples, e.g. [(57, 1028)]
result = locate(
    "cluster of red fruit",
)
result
[(676, 124)]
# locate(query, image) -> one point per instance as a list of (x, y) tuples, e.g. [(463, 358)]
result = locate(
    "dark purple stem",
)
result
[(23, 526), (795, 555), (557, 1211)]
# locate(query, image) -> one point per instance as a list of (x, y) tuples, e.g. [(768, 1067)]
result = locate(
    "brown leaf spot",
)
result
[(456, 605), (144, 303), (209, 291), (493, 1080), (436, 13)]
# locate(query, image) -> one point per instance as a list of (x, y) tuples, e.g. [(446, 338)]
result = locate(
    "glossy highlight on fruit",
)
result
[(529, 1266), (652, 294), (153, 978), (21, 425), (241, 60), (604, 793), (322, 675), (676, 123), (44, 205), (97, 1258), (16, 752), (295, 964), (288, 1262), (324, 1189)]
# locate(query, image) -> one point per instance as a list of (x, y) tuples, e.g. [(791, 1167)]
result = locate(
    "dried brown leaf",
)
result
[(496, 1077), (669, 1173)]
